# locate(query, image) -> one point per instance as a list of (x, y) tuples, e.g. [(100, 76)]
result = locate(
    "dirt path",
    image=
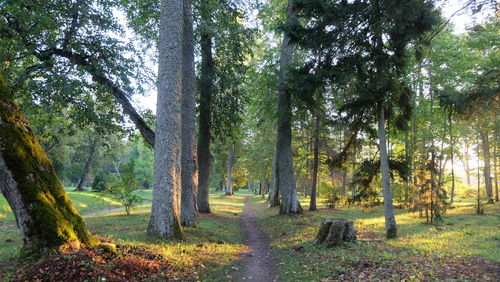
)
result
[(258, 264), (109, 210)]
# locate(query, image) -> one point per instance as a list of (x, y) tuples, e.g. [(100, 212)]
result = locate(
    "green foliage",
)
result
[(332, 200), (430, 195), (123, 190), (64, 46)]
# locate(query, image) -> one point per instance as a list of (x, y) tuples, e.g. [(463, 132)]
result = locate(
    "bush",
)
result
[(332, 200), (123, 190), (99, 183)]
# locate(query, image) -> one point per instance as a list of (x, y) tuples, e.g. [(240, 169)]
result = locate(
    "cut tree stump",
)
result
[(333, 232)]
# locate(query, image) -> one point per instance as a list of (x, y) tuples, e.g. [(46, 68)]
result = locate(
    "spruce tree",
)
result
[(360, 47)]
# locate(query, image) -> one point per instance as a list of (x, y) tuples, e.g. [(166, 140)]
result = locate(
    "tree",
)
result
[(44, 214), (165, 212), (312, 205), (230, 167), (189, 207), (68, 47), (205, 108), (361, 47), (283, 175), (88, 164)]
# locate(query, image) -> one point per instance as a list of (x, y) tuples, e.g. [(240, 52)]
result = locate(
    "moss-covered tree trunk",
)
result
[(43, 211)]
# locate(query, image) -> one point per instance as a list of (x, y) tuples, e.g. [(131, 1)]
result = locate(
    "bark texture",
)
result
[(274, 192), (44, 213), (284, 175), (88, 164), (189, 207), (165, 212), (205, 108), (390, 220), (334, 232)]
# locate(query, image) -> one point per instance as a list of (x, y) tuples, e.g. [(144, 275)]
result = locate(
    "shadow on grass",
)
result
[(463, 234)]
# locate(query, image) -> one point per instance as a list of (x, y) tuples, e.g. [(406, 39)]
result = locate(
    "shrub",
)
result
[(332, 200), (123, 190)]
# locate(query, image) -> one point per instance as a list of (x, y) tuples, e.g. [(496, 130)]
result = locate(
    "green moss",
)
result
[(54, 219)]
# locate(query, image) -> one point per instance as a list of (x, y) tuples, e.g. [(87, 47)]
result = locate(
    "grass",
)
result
[(84, 202), (207, 252), (464, 246), (462, 238)]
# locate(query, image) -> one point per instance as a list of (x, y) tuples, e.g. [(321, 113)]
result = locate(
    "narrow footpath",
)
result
[(258, 264)]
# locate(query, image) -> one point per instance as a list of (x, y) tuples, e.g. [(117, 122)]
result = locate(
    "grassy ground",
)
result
[(83, 201), (208, 252), (465, 246)]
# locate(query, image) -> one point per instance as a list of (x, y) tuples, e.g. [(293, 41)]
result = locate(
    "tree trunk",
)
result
[(189, 165), (205, 107), (452, 155), (274, 192), (408, 161), (333, 232), (390, 220), (43, 211), (465, 161), (312, 205), (495, 159), (165, 211), (479, 209), (230, 164), (285, 179), (487, 163), (88, 163)]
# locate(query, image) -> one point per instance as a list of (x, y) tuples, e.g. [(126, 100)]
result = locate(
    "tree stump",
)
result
[(333, 232)]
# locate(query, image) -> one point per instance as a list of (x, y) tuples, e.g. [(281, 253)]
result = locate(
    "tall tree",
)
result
[(283, 175), (165, 212), (205, 116), (363, 46), (44, 213), (189, 207)]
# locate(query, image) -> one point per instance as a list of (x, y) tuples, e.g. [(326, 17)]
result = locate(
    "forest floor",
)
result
[(244, 240), (210, 252)]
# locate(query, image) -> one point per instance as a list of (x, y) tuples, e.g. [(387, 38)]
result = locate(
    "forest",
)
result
[(249, 140)]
